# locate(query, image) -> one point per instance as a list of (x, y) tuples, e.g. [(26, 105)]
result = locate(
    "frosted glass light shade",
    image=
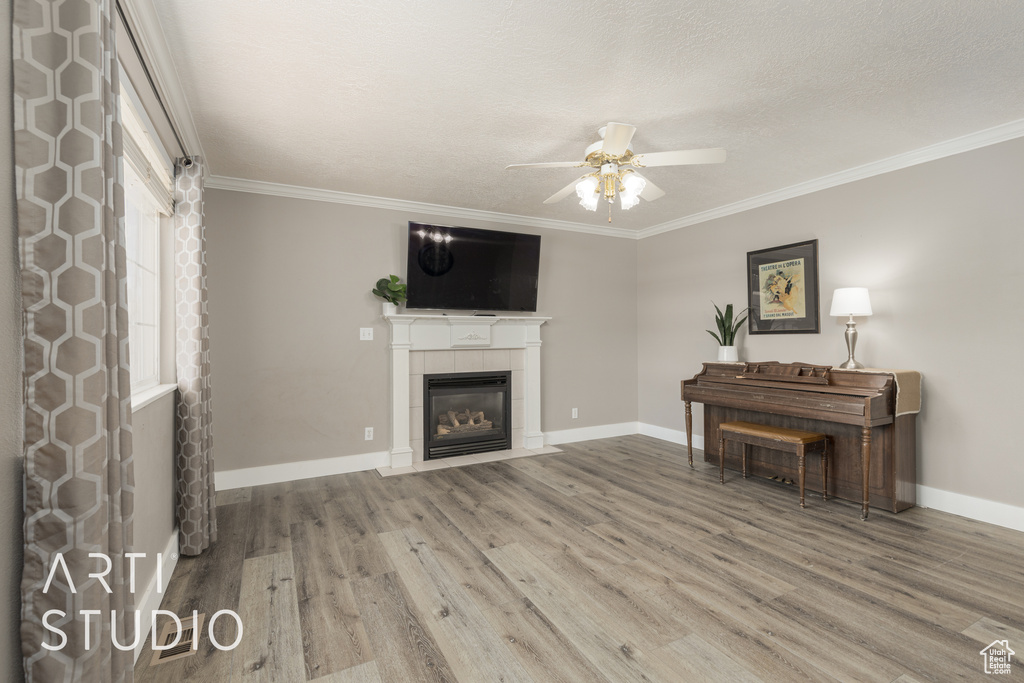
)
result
[(633, 184), (586, 190), (851, 301), (628, 200)]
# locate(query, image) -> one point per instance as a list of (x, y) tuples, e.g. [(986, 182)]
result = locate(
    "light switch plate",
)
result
[(365, 334)]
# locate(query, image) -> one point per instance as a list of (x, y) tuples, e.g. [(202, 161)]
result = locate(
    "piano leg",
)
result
[(824, 471), (801, 457), (689, 434), (865, 466), (721, 458)]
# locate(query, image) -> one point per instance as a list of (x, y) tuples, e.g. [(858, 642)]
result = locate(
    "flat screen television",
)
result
[(470, 269)]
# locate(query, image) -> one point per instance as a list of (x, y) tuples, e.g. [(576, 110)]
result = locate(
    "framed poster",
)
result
[(782, 287)]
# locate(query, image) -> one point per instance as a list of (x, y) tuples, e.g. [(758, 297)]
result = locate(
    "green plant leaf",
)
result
[(389, 289), (718, 311), (716, 338), (719, 320)]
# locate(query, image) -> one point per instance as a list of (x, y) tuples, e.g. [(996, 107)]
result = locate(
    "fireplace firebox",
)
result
[(466, 412)]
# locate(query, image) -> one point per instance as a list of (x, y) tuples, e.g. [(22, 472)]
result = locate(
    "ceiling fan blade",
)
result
[(564, 192), (679, 158), (616, 138), (650, 191), (551, 164)]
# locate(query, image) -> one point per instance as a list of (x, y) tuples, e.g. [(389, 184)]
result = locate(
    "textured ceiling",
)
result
[(429, 101)]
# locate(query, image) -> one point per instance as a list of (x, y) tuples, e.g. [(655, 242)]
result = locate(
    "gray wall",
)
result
[(289, 287), (10, 386), (939, 245)]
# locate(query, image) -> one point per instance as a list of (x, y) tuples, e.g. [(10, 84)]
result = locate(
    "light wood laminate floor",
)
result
[(612, 561)]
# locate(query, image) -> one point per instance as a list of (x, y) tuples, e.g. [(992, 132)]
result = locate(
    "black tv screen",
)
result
[(470, 269)]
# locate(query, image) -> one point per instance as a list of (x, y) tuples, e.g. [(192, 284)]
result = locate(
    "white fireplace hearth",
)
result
[(427, 344)]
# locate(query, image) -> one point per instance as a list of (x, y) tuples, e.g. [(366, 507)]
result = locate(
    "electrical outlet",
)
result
[(365, 334), (575, 413), (369, 434)]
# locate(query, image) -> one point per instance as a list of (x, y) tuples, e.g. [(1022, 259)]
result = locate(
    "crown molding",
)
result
[(454, 212), (966, 143), (153, 43)]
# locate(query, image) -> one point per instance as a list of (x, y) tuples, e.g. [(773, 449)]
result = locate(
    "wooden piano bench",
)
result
[(795, 441)]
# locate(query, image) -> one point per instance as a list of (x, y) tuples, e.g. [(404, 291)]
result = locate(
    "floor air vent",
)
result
[(184, 648)]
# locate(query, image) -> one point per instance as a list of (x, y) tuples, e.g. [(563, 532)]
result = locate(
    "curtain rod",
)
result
[(149, 77)]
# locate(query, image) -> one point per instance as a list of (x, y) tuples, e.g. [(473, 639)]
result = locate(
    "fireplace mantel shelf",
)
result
[(414, 332), (488, 319), (442, 332), (442, 316)]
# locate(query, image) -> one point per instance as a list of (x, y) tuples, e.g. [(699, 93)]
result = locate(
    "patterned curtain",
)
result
[(197, 512), (78, 444)]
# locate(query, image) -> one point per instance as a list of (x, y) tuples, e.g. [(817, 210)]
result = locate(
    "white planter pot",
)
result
[(727, 354), (390, 309)]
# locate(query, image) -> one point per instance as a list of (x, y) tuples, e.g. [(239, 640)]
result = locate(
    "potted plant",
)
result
[(391, 291), (727, 328)]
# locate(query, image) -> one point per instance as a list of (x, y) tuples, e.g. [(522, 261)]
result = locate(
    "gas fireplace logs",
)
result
[(459, 423)]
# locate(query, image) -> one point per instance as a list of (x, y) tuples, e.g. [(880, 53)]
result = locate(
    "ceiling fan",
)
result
[(616, 166)]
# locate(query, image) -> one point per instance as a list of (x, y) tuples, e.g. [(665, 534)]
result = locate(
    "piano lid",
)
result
[(797, 389)]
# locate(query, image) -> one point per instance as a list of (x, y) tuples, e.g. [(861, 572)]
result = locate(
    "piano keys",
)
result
[(873, 445)]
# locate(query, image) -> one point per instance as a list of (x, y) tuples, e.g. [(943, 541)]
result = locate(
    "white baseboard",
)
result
[(323, 467), (153, 594), (305, 469), (1000, 514), (591, 433), (671, 435)]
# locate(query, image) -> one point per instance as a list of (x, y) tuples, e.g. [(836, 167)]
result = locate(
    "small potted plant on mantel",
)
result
[(727, 328), (392, 292)]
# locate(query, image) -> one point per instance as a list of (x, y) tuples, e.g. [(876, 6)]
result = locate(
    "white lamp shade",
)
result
[(851, 301)]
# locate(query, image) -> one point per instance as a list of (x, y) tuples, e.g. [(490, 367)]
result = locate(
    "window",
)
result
[(147, 209), (142, 217)]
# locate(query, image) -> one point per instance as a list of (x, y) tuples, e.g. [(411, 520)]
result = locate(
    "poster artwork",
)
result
[(782, 290)]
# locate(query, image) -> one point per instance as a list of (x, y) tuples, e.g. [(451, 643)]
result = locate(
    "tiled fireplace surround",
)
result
[(475, 360), (428, 344)]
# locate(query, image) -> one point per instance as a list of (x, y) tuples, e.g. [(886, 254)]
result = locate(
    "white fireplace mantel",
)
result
[(460, 332)]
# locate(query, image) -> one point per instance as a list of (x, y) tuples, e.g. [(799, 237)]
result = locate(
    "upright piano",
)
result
[(872, 440)]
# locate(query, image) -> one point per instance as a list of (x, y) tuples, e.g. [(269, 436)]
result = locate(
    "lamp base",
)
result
[(851, 344)]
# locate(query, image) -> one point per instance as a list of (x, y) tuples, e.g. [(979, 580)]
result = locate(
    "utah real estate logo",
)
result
[(997, 657)]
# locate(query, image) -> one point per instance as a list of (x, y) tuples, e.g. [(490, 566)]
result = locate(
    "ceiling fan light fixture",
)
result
[(610, 158), (586, 190)]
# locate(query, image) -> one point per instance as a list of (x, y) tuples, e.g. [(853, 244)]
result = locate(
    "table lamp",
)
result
[(851, 301)]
